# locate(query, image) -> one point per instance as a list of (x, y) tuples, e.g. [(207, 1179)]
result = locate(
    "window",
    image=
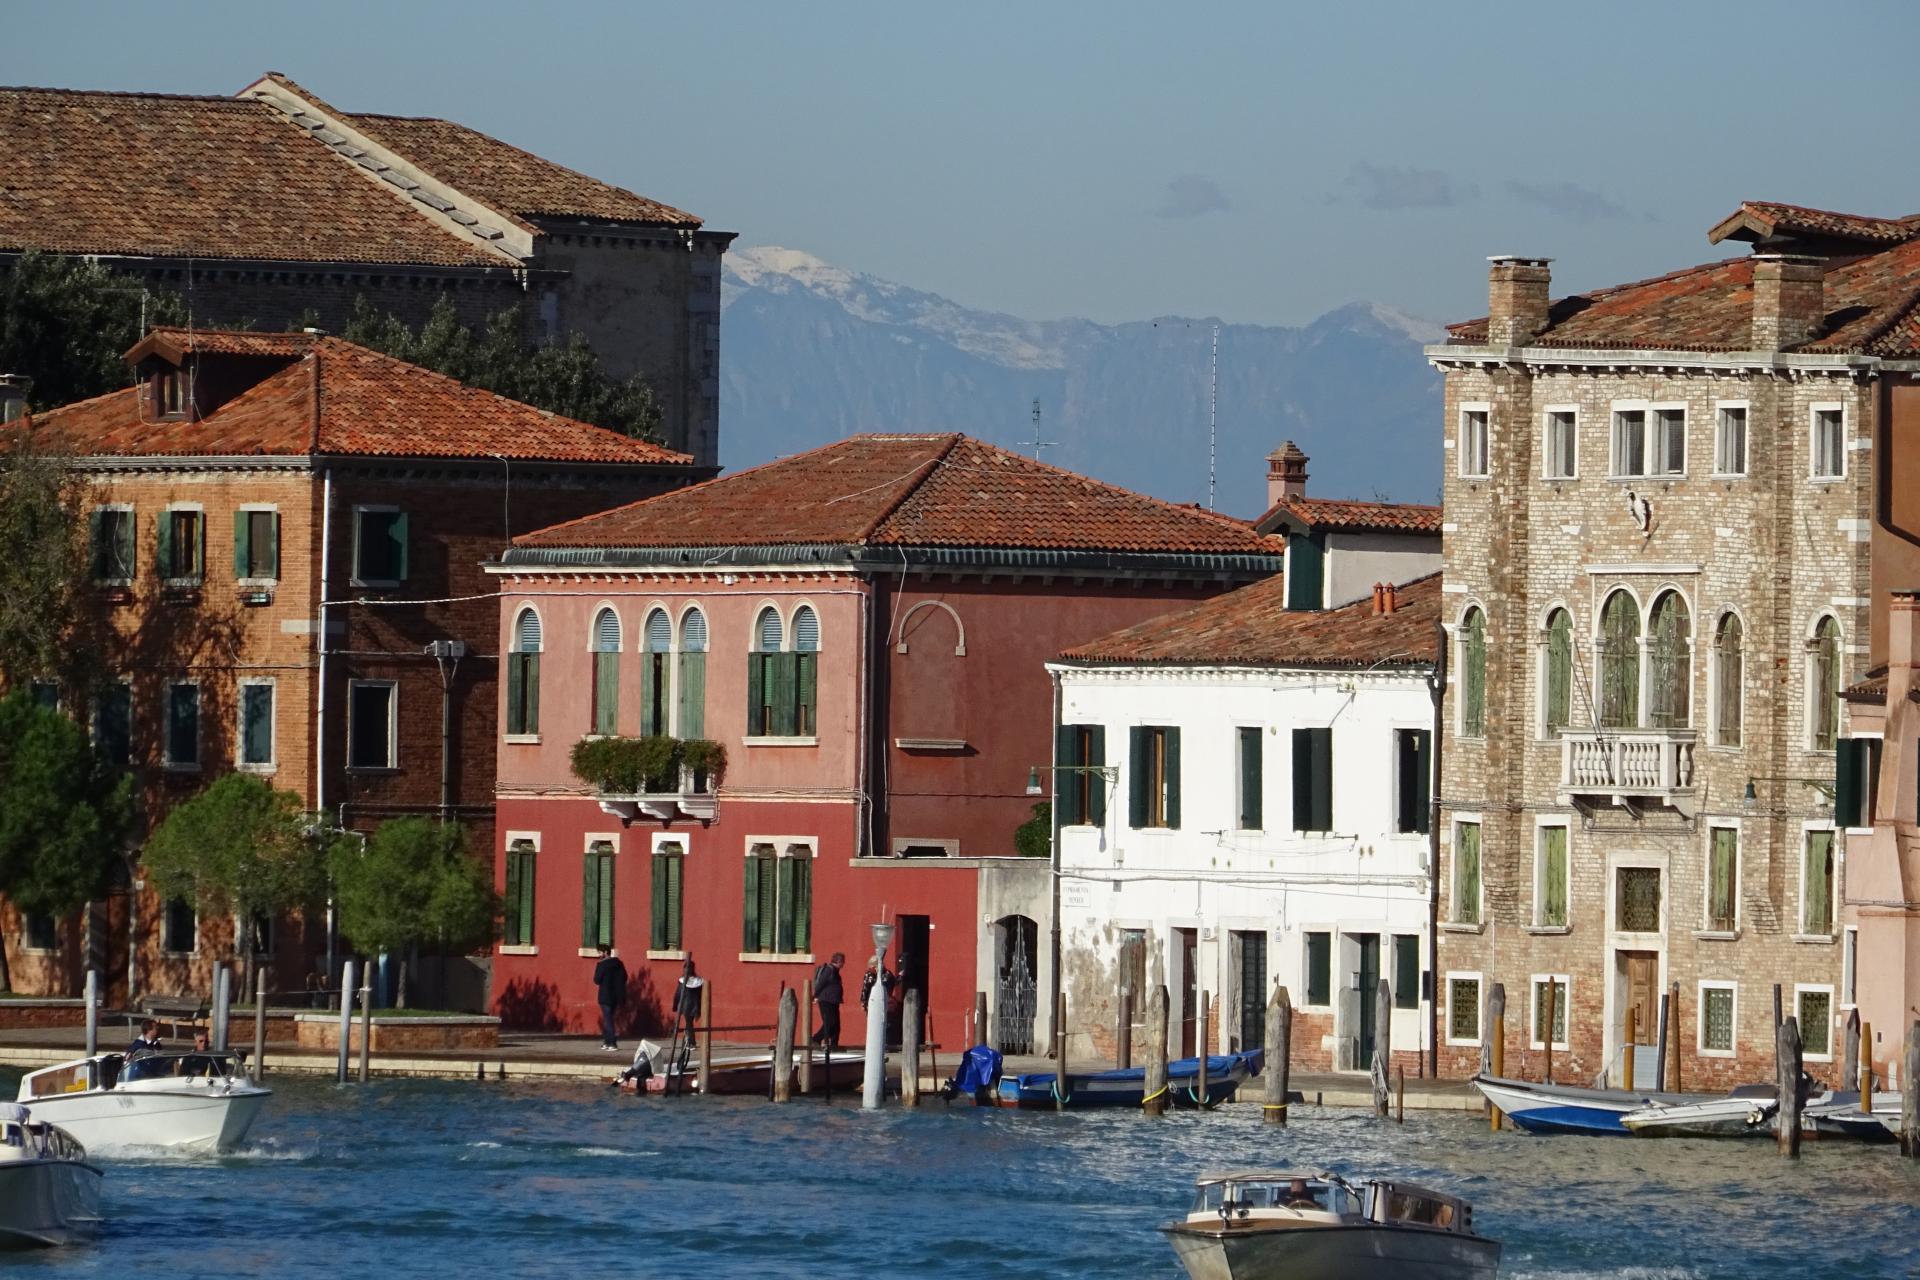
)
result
[(1561, 456), (1133, 963), (257, 934), (1252, 777), (256, 543), (1629, 442), (168, 398), (179, 928), (1080, 751), (693, 674), (1816, 885), (517, 925), (113, 723), (1814, 1008), (1406, 971), (779, 900), (606, 674), (1730, 441), (656, 676), (806, 661), (1670, 665), (1728, 678), (1669, 442), (256, 724), (1650, 443), (379, 545), (523, 675), (1554, 987), (1305, 570), (1620, 662), (1723, 879), (182, 544), (1473, 442), (781, 686), (110, 541), (1556, 698), (1856, 781), (596, 895), (183, 726), (1413, 781), (1823, 685), (1636, 905), (1829, 443), (1463, 1009), (45, 694), (765, 677), (1154, 770), (1473, 674), (669, 863), (1313, 779), (1716, 1018), (1466, 873), (1319, 969), (370, 724), (43, 932), (1550, 877)]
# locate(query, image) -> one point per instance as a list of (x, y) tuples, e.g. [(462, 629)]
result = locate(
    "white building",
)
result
[(1243, 798)]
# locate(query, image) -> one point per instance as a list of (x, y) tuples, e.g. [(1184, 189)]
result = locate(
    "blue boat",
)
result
[(1562, 1108), (1128, 1087)]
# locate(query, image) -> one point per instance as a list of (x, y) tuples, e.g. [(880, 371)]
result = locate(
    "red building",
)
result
[(863, 630)]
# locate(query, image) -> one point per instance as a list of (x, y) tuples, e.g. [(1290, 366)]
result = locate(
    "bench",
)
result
[(173, 1010)]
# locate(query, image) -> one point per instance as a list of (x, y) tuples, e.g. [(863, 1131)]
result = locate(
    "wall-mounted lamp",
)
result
[(1750, 802), (1110, 772)]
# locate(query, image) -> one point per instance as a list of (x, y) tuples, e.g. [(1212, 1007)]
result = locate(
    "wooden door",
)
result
[(1189, 943), (1640, 971), (1369, 984)]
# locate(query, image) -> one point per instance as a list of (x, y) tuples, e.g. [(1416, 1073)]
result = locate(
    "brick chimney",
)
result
[(13, 395), (1789, 299), (1517, 299), (1286, 474)]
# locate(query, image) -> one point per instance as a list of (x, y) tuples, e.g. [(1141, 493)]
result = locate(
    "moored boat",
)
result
[(49, 1194), (192, 1101), (1838, 1115), (1127, 1087), (1562, 1108), (1733, 1116), (1319, 1226)]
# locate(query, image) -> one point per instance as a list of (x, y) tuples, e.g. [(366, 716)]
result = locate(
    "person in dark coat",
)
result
[(828, 994), (884, 977), (610, 976), (148, 1041)]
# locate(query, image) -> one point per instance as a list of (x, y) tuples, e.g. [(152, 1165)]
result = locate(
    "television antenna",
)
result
[(1213, 413), (1038, 443)]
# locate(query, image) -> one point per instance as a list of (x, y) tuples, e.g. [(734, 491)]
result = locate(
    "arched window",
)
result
[(1620, 662), (766, 632), (1473, 674), (806, 674), (656, 677), (1557, 695), (1823, 685), (1670, 664), (606, 672), (1727, 678), (523, 674), (769, 680), (693, 674)]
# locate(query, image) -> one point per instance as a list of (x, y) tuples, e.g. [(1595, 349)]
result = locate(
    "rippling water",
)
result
[(422, 1178)]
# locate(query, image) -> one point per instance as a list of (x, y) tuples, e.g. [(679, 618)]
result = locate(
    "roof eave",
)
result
[(1441, 354)]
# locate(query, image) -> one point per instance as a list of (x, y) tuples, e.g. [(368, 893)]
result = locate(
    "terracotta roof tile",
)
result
[(1254, 627), (910, 490), (1356, 517), (1767, 218), (175, 342)]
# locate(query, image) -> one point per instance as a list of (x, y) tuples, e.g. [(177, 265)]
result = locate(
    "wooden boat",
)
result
[(191, 1101), (1561, 1108), (49, 1194), (1837, 1114), (1737, 1115), (1127, 1087), (1294, 1226)]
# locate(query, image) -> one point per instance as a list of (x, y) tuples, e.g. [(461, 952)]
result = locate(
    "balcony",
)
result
[(659, 777), (1628, 768)]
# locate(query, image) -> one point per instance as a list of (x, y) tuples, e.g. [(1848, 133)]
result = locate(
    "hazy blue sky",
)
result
[(1249, 160)]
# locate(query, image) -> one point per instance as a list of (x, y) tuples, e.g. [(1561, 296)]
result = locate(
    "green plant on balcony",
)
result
[(706, 760), (651, 765)]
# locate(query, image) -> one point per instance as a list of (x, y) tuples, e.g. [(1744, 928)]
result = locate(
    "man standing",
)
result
[(610, 976), (828, 995)]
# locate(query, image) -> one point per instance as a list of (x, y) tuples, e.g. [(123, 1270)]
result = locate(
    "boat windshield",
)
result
[(1408, 1204), (75, 1077), (157, 1066), (1303, 1193)]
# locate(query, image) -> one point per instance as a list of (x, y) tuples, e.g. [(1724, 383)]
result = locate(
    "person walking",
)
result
[(610, 976), (828, 994)]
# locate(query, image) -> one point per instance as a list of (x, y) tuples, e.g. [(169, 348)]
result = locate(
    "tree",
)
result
[(1034, 837), (44, 574), (416, 881), (64, 813), (66, 322), (564, 378)]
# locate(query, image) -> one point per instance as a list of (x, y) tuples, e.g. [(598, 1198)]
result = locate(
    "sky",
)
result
[(1258, 162)]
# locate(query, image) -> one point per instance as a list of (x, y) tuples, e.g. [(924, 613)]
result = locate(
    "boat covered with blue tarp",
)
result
[(1127, 1086)]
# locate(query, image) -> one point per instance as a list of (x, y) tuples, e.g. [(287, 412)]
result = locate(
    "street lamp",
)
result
[(877, 1021), (1750, 802)]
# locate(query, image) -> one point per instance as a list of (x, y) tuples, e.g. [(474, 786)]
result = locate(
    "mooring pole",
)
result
[(910, 1049), (93, 1012), (706, 1036), (1400, 1098), (1866, 1068), (1787, 1061), (1154, 1102), (1123, 1032), (874, 1086), (260, 1024), (222, 993), (1062, 1086), (1497, 1045), (1910, 1095), (783, 1045), (980, 1018), (1274, 1077), (1382, 1043), (1850, 1048), (806, 1043), (1633, 1033), (366, 1025), (348, 973)]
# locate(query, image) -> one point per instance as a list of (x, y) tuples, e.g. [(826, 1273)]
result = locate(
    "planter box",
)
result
[(19, 1015), (390, 1035)]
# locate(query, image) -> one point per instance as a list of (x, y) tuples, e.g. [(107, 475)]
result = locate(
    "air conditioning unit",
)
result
[(258, 596)]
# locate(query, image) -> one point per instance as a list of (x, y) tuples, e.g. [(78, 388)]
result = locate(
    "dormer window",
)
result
[(169, 400)]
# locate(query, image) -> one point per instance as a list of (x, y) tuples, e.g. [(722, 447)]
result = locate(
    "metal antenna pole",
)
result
[(1213, 414)]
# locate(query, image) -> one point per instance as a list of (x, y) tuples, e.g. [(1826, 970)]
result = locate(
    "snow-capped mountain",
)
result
[(812, 352)]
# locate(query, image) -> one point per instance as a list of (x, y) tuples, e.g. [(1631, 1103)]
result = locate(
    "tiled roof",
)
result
[(1254, 627), (1766, 218), (1355, 517), (234, 178), (1871, 687), (175, 342), (1870, 306), (911, 491), (364, 404)]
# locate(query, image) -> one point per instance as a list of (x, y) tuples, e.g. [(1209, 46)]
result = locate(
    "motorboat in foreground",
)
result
[(49, 1194), (186, 1101), (1837, 1114), (1746, 1112), (1319, 1226), (1127, 1087)]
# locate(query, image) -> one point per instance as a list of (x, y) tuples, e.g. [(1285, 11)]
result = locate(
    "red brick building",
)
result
[(864, 630)]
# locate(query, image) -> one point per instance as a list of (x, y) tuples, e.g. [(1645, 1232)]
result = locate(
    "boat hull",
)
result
[(1557, 1108), (183, 1119), (1721, 1118), (48, 1202), (1127, 1088), (1349, 1252)]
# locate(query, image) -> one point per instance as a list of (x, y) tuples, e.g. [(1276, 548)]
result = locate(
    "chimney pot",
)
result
[(1390, 601), (1517, 299), (1286, 474), (1378, 598), (13, 395), (1789, 299)]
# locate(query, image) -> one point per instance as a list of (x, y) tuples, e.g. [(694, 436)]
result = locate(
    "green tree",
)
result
[(64, 813), (416, 881), (44, 575), (1034, 837), (65, 322), (564, 378)]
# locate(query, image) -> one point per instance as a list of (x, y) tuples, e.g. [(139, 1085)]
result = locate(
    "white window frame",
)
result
[(1614, 460), (1572, 462), (510, 839), (1710, 824), (612, 840), (1631, 862), (166, 908), (1479, 1007), (272, 762), (272, 509), (682, 842), (1541, 823), (133, 570), (393, 728), (784, 847), (1745, 410), (1465, 457), (1453, 879), (26, 934), (1700, 1018), (1561, 1013), (1814, 411), (1833, 1009), (1833, 886), (353, 543), (166, 513), (167, 761), (1656, 453)]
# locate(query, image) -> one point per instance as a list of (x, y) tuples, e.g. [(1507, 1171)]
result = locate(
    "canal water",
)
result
[(427, 1178)]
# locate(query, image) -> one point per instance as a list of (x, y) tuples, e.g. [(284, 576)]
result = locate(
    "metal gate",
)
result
[(1018, 993)]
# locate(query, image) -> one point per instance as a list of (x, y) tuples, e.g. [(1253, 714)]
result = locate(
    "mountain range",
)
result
[(812, 352)]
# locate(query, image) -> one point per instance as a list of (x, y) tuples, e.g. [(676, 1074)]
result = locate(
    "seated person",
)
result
[(148, 1041), (1300, 1196), (197, 1063)]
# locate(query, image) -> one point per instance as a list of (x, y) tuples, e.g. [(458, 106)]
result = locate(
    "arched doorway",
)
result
[(1016, 952)]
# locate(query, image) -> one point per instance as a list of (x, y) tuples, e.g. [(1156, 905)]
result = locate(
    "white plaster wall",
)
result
[(1355, 561)]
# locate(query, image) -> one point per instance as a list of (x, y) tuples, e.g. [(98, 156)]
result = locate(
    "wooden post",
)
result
[(346, 1017), (706, 1036), (1627, 1050), (1200, 1043), (366, 1024), (1062, 1086), (783, 1045), (1787, 1060), (1553, 1017), (1382, 1044), (1866, 1067), (1673, 1037), (910, 1049), (980, 1018), (1123, 1032), (260, 1024), (1910, 1095), (1154, 1102), (806, 1045), (1274, 1074), (1660, 1047), (1400, 1098), (93, 1012), (1497, 1048), (1776, 1007), (1850, 1048)]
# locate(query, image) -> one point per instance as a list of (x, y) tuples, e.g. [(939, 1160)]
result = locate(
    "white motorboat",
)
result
[(191, 1101), (1837, 1114), (1319, 1226), (49, 1194), (1742, 1113)]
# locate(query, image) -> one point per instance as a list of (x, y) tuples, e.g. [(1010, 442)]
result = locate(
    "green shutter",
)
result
[(97, 545), (268, 555), (1553, 876), (676, 866), (1720, 877), (1466, 906), (516, 690), (604, 916), (693, 695), (802, 903), (1303, 779), (1559, 672), (589, 900), (769, 906), (606, 693), (1319, 968), (756, 693), (649, 687), (1096, 814), (1305, 556), (1173, 778), (1854, 763), (242, 527), (1316, 746), (785, 670), (1251, 777), (512, 931), (123, 545), (783, 906), (1066, 779), (397, 534), (532, 689), (1423, 781), (529, 878), (806, 690), (1817, 883), (1137, 780), (1406, 971), (750, 915), (657, 903), (164, 564), (199, 552)]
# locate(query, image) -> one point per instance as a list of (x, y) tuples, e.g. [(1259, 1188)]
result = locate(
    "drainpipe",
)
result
[(1437, 690), (320, 699), (446, 655), (1053, 805)]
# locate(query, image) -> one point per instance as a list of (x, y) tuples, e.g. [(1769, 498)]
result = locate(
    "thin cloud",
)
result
[(1191, 196), (1383, 186), (1569, 199)]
